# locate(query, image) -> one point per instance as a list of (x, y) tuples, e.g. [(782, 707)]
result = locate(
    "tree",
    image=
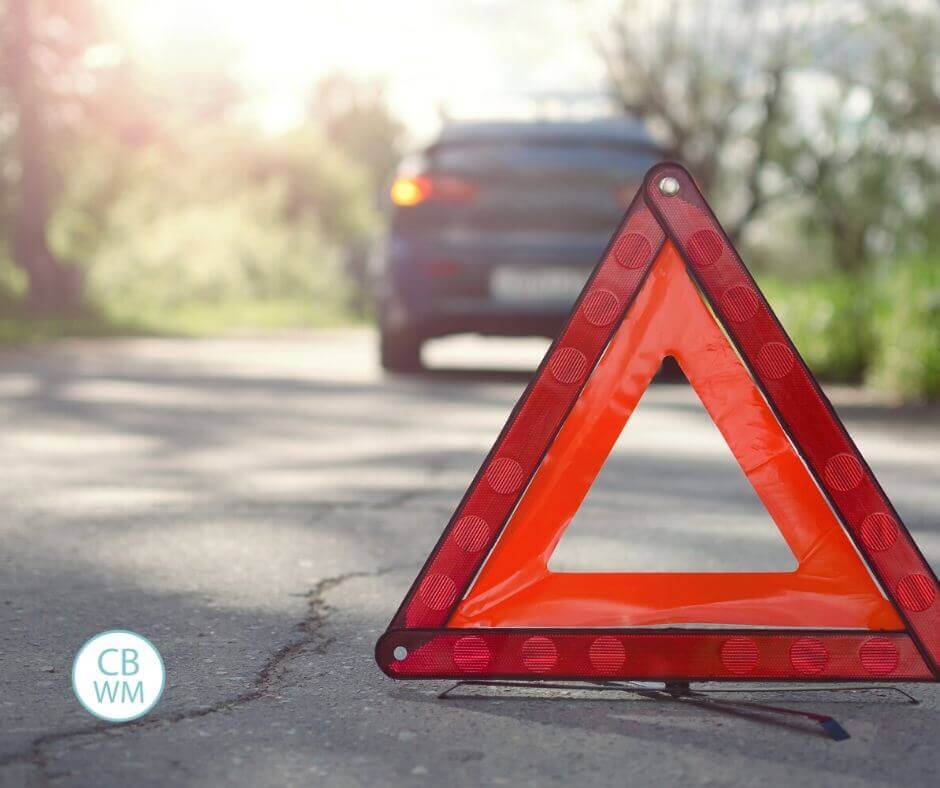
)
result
[(42, 47), (870, 163), (831, 104), (703, 80), (355, 116)]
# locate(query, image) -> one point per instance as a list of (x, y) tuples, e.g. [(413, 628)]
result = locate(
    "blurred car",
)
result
[(495, 228)]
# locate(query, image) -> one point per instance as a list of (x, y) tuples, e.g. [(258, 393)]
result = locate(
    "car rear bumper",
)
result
[(435, 291), (456, 316), (440, 313)]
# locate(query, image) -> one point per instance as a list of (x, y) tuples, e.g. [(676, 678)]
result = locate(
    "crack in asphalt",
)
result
[(318, 613)]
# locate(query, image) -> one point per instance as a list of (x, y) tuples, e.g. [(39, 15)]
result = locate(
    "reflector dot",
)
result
[(471, 654), (879, 531), (740, 303), (568, 365), (607, 654), (505, 475), (400, 653), (879, 656), (539, 654), (704, 247), (916, 592), (774, 360), (739, 655), (809, 656), (600, 307), (632, 250), (471, 533), (438, 591), (843, 472)]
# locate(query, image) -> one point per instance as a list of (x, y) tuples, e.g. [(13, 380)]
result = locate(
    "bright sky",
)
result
[(474, 57)]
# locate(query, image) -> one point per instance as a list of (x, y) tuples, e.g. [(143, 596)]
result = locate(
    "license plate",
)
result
[(534, 285)]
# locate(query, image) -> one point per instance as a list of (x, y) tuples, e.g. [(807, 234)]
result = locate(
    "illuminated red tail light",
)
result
[(407, 192)]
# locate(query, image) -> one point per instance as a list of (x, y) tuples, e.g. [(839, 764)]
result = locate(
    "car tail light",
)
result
[(410, 191), (416, 190)]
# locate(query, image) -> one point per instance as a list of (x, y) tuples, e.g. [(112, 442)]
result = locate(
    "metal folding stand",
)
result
[(682, 692)]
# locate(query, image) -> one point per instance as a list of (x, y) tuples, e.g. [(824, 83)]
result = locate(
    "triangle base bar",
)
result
[(651, 655)]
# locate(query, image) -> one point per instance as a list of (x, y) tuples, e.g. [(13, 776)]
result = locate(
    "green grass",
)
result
[(202, 319), (881, 328), (906, 320), (194, 320), (829, 320)]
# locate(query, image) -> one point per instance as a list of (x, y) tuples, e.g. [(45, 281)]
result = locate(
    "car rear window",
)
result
[(522, 156)]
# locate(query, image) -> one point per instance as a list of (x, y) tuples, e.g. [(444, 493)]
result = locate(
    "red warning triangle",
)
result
[(862, 603)]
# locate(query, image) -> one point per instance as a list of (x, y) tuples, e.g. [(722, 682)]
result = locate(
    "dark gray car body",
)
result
[(511, 258)]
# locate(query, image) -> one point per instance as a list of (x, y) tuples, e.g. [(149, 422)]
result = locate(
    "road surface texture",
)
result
[(258, 508)]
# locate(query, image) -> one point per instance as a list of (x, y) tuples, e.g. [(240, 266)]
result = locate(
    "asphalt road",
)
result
[(258, 508)]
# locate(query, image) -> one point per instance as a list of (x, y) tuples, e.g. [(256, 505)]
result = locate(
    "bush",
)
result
[(829, 321), (166, 254), (225, 220), (12, 282), (906, 361)]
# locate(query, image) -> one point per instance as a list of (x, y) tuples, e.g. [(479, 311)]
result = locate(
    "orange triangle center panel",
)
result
[(831, 586)]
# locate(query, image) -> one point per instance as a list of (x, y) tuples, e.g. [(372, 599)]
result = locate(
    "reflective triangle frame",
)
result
[(669, 210)]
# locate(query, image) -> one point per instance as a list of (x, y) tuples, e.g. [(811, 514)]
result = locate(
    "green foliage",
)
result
[(828, 320), (148, 176), (227, 218), (907, 323), (234, 248), (12, 283), (883, 327)]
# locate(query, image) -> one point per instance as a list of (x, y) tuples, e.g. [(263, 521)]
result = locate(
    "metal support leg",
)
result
[(681, 692)]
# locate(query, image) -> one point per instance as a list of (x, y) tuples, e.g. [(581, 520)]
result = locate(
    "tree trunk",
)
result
[(53, 287)]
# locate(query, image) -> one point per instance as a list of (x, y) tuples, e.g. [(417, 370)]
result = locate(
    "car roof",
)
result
[(604, 131)]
